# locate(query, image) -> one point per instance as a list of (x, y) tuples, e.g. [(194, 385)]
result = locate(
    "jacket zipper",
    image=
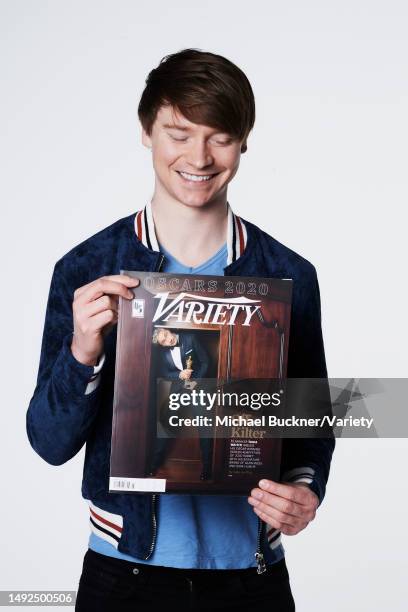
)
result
[(260, 560), (160, 263), (154, 495), (154, 526)]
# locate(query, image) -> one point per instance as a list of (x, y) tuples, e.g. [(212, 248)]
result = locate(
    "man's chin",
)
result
[(197, 200)]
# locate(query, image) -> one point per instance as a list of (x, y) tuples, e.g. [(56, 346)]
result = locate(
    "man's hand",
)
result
[(95, 312), (185, 374), (287, 507)]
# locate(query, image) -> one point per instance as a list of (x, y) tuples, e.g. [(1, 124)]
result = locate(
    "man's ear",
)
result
[(146, 140)]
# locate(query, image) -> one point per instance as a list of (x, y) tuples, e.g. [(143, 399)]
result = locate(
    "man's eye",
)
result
[(178, 138), (224, 142)]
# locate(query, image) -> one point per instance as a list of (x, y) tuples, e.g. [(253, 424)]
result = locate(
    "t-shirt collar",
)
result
[(236, 232)]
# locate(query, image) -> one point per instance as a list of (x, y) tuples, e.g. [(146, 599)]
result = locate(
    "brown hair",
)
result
[(204, 87)]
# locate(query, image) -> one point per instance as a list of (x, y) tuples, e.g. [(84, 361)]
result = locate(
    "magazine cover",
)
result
[(200, 363)]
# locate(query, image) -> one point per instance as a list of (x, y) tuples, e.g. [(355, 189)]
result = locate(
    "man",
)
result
[(179, 350), (181, 347), (196, 552)]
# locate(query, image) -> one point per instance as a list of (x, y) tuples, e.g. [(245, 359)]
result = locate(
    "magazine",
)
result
[(200, 363)]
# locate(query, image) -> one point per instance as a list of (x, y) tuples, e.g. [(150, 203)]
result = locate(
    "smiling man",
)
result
[(195, 552)]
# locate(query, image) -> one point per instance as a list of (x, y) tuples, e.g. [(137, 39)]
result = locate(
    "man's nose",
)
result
[(199, 155)]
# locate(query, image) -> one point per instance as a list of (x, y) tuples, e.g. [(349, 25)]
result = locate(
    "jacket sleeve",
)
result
[(65, 400), (307, 459)]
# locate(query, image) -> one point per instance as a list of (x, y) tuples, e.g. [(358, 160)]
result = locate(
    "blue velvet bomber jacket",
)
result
[(65, 412)]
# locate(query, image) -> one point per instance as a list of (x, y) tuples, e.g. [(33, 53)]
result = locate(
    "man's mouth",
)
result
[(196, 178)]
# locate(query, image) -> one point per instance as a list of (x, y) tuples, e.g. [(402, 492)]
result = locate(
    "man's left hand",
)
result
[(289, 507)]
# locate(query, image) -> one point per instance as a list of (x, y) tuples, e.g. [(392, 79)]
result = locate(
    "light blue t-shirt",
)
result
[(200, 531)]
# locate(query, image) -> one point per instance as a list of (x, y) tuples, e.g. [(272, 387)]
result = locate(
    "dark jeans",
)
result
[(114, 585)]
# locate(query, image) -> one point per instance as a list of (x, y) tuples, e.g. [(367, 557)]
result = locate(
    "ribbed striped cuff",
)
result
[(307, 475), (95, 378), (274, 537), (69, 374)]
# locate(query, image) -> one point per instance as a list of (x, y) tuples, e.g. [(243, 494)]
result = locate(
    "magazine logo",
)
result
[(138, 307), (185, 308)]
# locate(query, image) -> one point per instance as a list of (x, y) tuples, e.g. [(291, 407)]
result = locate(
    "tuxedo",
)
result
[(170, 362), (189, 346)]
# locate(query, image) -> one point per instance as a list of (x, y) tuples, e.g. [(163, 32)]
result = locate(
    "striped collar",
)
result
[(236, 233)]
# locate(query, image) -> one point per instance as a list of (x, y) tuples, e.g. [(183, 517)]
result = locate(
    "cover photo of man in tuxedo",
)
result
[(183, 359)]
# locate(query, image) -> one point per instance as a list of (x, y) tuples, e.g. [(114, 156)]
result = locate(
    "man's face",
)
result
[(166, 338), (193, 163)]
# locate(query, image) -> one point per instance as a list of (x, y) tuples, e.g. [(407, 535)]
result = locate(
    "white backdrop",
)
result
[(325, 173)]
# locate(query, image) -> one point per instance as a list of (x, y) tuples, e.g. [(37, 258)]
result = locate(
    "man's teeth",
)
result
[(196, 177)]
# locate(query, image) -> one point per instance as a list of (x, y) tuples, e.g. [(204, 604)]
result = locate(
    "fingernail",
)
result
[(263, 483), (257, 495)]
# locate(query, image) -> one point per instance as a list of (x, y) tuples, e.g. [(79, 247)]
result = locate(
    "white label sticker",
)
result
[(150, 485)]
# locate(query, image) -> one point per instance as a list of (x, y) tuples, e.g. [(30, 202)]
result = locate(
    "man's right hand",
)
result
[(185, 374), (95, 312)]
